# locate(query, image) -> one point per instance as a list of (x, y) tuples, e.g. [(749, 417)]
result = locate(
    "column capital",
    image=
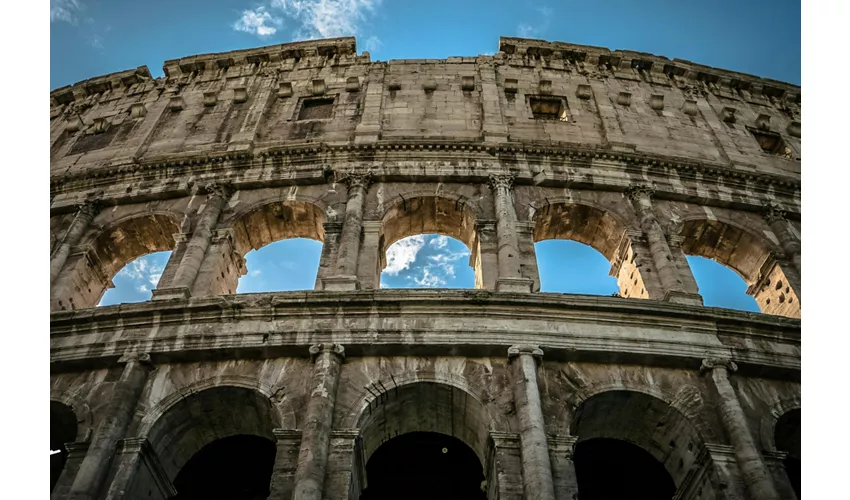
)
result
[(357, 179), (501, 181), (89, 209), (640, 192), (317, 349), (772, 213), (710, 364), (219, 190), (525, 349), (143, 358)]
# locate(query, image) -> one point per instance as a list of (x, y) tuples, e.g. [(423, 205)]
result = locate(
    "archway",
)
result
[(638, 474), (63, 429), (218, 429), (787, 438), (134, 282), (86, 276), (575, 266), (282, 266), (426, 219), (427, 261), (721, 286), (424, 465), (774, 285), (618, 421)]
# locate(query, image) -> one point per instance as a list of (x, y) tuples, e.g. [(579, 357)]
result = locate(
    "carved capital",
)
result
[(357, 180), (89, 209), (529, 350), (501, 181), (317, 349), (709, 364), (773, 213), (640, 193), (142, 358), (219, 190)]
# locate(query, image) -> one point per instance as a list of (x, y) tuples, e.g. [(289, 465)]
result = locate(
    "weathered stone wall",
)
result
[(645, 159)]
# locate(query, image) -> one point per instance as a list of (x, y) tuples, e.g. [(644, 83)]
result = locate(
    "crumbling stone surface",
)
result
[(644, 158)]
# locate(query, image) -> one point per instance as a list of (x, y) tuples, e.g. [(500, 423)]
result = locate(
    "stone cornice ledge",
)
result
[(191, 330)]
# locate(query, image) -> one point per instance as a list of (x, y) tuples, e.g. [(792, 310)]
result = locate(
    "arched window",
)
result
[(613, 468), (572, 267), (427, 261), (134, 282), (721, 286), (285, 265)]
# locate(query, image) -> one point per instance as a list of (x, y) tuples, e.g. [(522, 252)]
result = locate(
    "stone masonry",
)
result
[(644, 158)]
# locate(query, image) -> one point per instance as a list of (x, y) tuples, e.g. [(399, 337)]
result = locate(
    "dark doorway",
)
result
[(609, 469), (63, 430), (424, 465), (231, 468), (787, 436)]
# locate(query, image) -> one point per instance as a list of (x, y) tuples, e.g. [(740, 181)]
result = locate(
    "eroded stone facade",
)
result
[(643, 158)]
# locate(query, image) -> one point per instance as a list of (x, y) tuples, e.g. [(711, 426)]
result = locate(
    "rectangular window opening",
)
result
[(316, 109), (549, 108), (771, 143)]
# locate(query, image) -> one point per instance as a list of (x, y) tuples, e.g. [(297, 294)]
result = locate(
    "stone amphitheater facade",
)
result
[(643, 158)]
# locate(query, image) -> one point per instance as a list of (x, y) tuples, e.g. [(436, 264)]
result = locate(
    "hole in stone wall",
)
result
[(134, 282), (567, 266), (771, 143), (316, 109), (427, 261), (285, 265), (720, 286), (549, 108), (611, 468)]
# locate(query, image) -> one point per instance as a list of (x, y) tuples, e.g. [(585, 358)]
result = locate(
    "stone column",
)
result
[(285, 464), (112, 428), (372, 259), (83, 218), (510, 272), (327, 262), (790, 243), (349, 241), (536, 467), (668, 272), (754, 472), (315, 437), (190, 264)]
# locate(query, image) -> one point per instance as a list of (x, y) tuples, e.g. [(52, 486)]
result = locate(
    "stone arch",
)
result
[(182, 424), (80, 409), (641, 418), (418, 213), (769, 419), (581, 221), (87, 275)]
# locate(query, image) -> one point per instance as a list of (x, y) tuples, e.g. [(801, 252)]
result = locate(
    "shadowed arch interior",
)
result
[(63, 429), (787, 438), (277, 221), (729, 245), (645, 421), (201, 418), (582, 223), (613, 468)]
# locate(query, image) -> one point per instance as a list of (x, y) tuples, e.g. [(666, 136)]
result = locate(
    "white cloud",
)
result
[(258, 22), (402, 253), (429, 279), (65, 10), (142, 269), (439, 241), (143, 288), (372, 43), (327, 18), (96, 41), (255, 273), (529, 30)]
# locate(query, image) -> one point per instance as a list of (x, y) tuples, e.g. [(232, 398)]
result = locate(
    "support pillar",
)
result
[(528, 256), (775, 461), (138, 473), (754, 472), (190, 264), (561, 450), (536, 467), (349, 242), (668, 272), (630, 265), (95, 467), (777, 288), (510, 270), (504, 467), (485, 261), (82, 220), (181, 241), (327, 261), (346, 472), (285, 463), (315, 437), (76, 454), (790, 242), (372, 260)]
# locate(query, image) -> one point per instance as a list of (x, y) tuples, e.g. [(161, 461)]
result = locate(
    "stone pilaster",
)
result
[(285, 463), (330, 245), (561, 450), (222, 266), (504, 469), (629, 266), (196, 249), (528, 256), (371, 261), (776, 463), (662, 257), (101, 453), (510, 271), (686, 275), (485, 261), (493, 126), (76, 454), (138, 473), (346, 473), (536, 467), (369, 128), (181, 240), (754, 472), (349, 241), (82, 220), (790, 242), (315, 437)]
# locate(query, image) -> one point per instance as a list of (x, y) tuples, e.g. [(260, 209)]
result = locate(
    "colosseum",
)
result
[(351, 391)]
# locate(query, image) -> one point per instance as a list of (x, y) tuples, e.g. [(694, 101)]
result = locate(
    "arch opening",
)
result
[(134, 282), (611, 468), (440, 223), (572, 267), (424, 465), (282, 266), (427, 261), (636, 419), (88, 275), (235, 467), (721, 286), (787, 438), (63, 430)]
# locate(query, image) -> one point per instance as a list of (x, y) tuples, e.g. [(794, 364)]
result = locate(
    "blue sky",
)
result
[(95, 37)]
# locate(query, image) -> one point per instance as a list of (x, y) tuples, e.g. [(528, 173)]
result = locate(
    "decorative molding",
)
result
[(709, 364), (638, 193), (584, 92), (284, 90), (317, 349), (656, 102), (501, 181), (773, 213), (525, 349), (142, 358)]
